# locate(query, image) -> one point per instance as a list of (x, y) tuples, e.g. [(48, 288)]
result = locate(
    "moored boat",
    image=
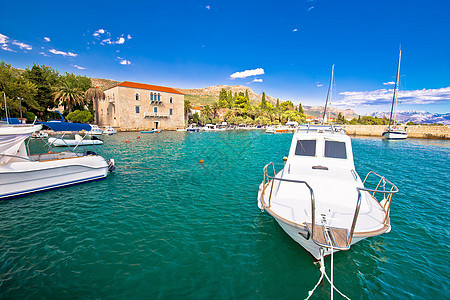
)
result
[(109, 130), (318, 198), (22, 174), (151, 131), (393, 132)]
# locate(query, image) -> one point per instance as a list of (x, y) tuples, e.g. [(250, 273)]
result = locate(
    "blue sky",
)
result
[(285, 48)]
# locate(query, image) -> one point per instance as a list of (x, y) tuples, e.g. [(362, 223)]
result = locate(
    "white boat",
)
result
[(95, 130), (318, 198), (277, 129), (394, 133), (22, 174), (213, 127), (39, 134), (109, 130), (77, 141)]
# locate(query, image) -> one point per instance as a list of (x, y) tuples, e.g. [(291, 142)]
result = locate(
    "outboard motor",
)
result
[(111, 166)]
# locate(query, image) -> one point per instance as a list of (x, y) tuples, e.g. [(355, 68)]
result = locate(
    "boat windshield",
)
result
[(335, 149), (306, 148)]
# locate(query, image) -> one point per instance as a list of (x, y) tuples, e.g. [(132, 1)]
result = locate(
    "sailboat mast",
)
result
[(330, 91), (394, 99), (396, 84)]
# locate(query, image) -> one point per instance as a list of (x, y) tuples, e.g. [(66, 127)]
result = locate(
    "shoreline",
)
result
[(437, 132)]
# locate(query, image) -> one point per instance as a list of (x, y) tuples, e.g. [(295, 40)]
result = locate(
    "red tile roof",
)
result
[(149, 87)]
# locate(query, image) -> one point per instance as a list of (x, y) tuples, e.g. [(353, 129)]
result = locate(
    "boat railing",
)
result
[(386, 192), (267, 178), (321, 240)]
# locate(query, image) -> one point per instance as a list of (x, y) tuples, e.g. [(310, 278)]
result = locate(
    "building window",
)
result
[(171, 100), (155, 110), (137, 96), (170, 111), (113, 96), (151, 96), (159, 97), (137, 109)]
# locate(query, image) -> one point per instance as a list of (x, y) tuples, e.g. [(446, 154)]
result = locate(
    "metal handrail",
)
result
[(390, 193), (273, 178)]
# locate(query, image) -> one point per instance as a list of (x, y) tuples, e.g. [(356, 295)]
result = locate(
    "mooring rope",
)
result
[(324, 274)]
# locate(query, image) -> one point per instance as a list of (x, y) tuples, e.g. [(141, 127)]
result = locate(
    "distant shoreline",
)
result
[(439, 132)]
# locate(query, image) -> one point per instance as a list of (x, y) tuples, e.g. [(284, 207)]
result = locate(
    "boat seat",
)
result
[(339, 236)]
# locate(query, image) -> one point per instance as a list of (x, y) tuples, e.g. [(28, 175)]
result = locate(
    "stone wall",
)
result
[(414, 131)]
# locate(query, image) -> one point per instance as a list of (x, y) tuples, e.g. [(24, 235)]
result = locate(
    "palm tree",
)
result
[(187, 109), (95, 94), (215, 107), (68, 93)]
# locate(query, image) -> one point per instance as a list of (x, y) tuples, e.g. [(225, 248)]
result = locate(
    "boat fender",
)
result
[(127, 141), (89, 152), (202, 161), (285, 158)]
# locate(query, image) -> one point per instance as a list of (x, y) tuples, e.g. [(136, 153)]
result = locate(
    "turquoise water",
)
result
[(164, 226)]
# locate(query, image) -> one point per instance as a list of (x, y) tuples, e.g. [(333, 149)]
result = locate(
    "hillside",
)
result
[(418, 117), (209, 95)]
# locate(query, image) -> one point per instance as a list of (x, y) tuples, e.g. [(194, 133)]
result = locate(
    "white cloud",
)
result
[(257, 80), (22, 45), (295, 30), (129, 37), (4, 43), (47, 39), (106, 41), (124, 61), (384, 96), (389, 83), (319, 84), (309, 9), (208, 7), (45, 54), (98, 32), (247, 73), (54, 51), (78, 67), (120, 41)]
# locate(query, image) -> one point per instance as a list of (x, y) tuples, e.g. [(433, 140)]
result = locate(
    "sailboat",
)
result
[(394, 133)]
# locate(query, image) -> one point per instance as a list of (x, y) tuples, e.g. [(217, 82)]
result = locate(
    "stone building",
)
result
[(133, 106)]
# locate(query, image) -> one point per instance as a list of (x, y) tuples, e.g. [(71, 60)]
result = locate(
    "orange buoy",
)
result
[(138, 137), (285, 158), (49, 152), (127, 141), (202, 161)]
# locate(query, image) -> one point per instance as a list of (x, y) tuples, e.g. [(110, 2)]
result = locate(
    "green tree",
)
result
[(230, 99), (78, 116), (292, 115), (15, 86), (278, 103), (94, 95), (68, 93), (246, 96), (46, 79), (187, 109), (300, 108), (215, 107), (263, 103), (241, 102), (223, 98), (286, 105)]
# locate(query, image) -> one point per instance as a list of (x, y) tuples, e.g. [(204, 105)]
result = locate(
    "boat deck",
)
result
[(339, 236)]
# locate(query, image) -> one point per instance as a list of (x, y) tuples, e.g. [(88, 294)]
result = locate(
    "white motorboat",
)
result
[(277, 129), (109, 130), (318, 198), (213, 127), (77, 141), (393, 132), (22, 174), (95, 130)]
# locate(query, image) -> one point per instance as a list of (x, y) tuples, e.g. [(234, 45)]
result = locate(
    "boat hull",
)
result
[(22, 178), (64, 143), (395, 135)]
